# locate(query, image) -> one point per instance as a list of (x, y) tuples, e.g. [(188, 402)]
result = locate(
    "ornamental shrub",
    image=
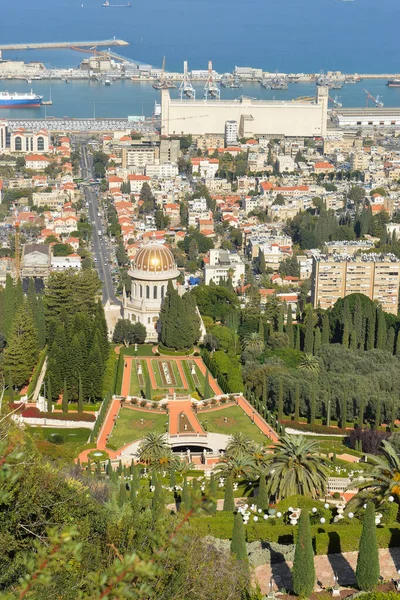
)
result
[(229, 502), (238, 543), (367, 571), (303, 565)]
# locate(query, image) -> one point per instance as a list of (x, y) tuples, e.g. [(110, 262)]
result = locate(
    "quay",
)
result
[(50, 45)]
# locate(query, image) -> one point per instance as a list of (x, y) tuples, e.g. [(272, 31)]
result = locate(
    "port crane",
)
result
[(375, 99), (211, 89), (186, 88), (162, 82), (335, 102)]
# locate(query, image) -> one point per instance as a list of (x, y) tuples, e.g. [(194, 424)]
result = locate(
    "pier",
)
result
[(50, 45)]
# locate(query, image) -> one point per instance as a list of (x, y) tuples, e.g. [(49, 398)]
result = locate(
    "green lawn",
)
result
[(134, 387), (129, 428), (189, 377), (59, 443), (237, 422)]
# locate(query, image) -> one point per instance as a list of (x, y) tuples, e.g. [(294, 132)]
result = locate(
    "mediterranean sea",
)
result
[(283, 35)]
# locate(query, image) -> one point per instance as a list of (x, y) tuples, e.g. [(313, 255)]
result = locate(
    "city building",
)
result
[(36, 261), (374, 275), (221, 264), (28, 141), (36, 162), (170, 151), (366, 117), (231, 133), (151, 270), (254, 117)]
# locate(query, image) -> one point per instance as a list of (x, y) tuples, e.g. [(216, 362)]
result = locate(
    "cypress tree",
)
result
[(361, 410), (390, 340), (49, 396), (133, 497), (229, 502), (381, 330), (281, 318), (157, 501), (172, 478), (317, 339), (377, 412), (393, 412), (297, 344), (367, 570), (358, 322), (398, 344), (265, 392), (238, 543), (122, 495), (343, 412), (213, 494), (98, 469), (353, 340), (309, 336), (262, 499), (289, 326), (325, 329), (280, 400), (65, 398), (312, 407), (186, 501), (371, 326), (297, 403), (303, 572), (261, 328), (261, 262)]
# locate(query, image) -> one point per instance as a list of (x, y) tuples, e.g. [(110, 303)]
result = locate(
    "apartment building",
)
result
[(374, 275), (221, 264)]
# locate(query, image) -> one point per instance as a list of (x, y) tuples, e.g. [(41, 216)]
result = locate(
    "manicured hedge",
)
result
[(100, 417), (110, 373), (171, 352), (330, 539)]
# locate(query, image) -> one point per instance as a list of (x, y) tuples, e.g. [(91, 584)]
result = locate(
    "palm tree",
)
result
[(238, 444), (310, 363), (242, 466), (154, 450), (181, 467), (383, 481), (261, 456), (296, 468), (254, 342)]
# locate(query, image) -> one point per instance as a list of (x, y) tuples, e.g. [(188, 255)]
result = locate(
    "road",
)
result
[(100, 250)]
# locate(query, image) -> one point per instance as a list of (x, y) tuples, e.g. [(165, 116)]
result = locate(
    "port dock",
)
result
[(50, 45)]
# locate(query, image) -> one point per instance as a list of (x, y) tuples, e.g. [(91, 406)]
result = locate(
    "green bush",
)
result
[(172, 352), (110, 373)]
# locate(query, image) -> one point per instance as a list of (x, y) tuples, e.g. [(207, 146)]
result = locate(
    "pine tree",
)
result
[(280, 401), (262, 498), (309, 336), (49, 396), (65, 398), (367, 570), (297, 403), (289, 326), (238, 543), (317, 339), (21, 353), (229, 502), (186, 500), (303, 572), (325, 329), (381, 330)]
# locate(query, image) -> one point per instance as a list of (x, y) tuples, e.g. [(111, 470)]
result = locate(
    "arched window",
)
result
[(155, 292), (141, 290), (40, 144), (147, 292), (18, 144), (162, 292)]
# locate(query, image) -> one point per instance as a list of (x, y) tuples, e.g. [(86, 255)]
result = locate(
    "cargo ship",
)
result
[(393, 83), (16, 100)]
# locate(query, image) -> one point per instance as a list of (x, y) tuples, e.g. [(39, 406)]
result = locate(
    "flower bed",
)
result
[(34, 413)]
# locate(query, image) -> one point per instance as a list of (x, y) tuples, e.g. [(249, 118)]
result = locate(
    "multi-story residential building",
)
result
[(231, 133), (197, 209), (285, 163), (348, 248), (374, 275), (169, 151), (205, 167), (51, 199), (136, 182), (164, 171), (139, 156), (221, 264)]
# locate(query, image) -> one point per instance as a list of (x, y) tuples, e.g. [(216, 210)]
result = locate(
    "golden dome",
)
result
[(154, 259)]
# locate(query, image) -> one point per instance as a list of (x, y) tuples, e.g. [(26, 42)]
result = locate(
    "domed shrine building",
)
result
[(151, 270)]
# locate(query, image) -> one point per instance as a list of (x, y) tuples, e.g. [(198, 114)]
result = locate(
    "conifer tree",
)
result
[(133, 497), (393, 412), (312, 407), (361, 410), (10, 387), (280, 401), (229, 502), (358, 322), (367, 570), (213, 493), (289, 326), (80, 395), (265, 392), (303, 573), (261, 328), (261, 262), (157, 501), (281, 318), (398, 344), (172, 478), (343, 412), (9, 304), (262, 499), (347, 324), (238, 543), (186, 500), (371, 326), (297, 403), (380, 330), (377, 412), (21, 353), (122, 495), (49, 396), (317, 339), (390, 340), (65, 398), (325, 337), (309, 336), (297, 344), (353, 340)]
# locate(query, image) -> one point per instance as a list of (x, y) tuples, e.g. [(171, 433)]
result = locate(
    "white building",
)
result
[(231, 133), (165, 171), (197, 209), (63, 263), (222, 265), (285, 163), (28, 141), (151, 270), (136, 182)]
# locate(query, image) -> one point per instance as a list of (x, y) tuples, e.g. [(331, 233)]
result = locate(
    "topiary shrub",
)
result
[(143, 403)]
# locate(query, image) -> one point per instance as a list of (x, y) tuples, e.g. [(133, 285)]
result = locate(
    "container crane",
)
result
[(375, 99), (186, 88), (211, 89), (335, 102)]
